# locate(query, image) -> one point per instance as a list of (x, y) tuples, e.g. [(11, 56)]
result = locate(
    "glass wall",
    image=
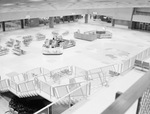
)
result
[(12, 25), (141, 26)]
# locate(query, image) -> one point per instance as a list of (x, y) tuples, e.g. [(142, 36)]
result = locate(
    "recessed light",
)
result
[(10, 4)]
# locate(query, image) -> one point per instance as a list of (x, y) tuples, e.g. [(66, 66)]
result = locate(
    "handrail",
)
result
[(68, 84), (143, 55), (126, 100), (62, 98)]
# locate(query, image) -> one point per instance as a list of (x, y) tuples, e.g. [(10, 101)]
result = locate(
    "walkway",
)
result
[(97, 102)]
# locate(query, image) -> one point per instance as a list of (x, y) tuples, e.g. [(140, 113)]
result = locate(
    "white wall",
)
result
[(116, 13), (122, 22), (141, 18), (36, 14), (143, 9)]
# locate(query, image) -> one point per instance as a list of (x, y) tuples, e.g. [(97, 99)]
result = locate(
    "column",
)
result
[(22, 23), (73, 18), (86, 18), (113, 22), (3, 26), (130, 25), (51, 22)]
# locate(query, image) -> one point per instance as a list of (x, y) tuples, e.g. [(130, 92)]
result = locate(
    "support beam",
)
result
[(131, 22), (22, 23), (51, 22), (3, 26), (138, 105), (130, 25), (86, 18)]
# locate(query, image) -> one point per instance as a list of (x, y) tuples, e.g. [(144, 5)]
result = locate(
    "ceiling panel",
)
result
[(22, 5)]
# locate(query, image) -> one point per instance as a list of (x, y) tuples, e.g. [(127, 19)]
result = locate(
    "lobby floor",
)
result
[(124, 44)]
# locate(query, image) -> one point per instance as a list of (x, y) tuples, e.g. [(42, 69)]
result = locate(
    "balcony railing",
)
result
[(140, 92), (40, 86)]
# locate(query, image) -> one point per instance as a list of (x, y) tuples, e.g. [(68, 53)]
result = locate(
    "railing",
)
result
[(139, 91), (102, 73), (4, 85), (30, 75), (26, 88), (48, 108), (47, 89)]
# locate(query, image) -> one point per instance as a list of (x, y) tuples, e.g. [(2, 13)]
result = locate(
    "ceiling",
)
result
[(32, 5)]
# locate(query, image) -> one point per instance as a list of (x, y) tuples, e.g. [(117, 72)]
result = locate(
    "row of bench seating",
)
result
[(142, 65)]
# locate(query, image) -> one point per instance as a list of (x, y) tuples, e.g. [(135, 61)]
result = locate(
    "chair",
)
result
[(113, 73), (138, 64), (145, 65)]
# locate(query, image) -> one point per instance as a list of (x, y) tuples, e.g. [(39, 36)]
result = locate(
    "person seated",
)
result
[(46, 44), (59, 38), (50, 42), (54, 42)]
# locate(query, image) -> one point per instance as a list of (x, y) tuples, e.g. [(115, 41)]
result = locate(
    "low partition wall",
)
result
[(85, 36), (139, 91), (66, 100), (100, 34), (128, 64)]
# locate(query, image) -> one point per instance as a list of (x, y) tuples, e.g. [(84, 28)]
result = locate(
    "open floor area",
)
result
[(124, 44), (88, 55)]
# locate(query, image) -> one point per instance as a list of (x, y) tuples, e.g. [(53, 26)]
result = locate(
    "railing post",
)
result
[(118, 94), (69, 101), (138, 105), (48, 110), (50, 92)]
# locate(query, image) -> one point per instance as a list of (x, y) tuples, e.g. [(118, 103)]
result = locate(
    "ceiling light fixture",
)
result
[(10, 4)]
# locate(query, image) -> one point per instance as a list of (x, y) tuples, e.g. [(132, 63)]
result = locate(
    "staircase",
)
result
[(37, 87)]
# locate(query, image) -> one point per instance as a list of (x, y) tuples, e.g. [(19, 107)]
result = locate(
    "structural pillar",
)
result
[(73, 17), (113, 22), (86, 18), (3, 26), (130, 25), (22, 24), (51, 22)]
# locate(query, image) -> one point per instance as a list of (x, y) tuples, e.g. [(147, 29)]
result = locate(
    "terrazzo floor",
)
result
[(124, 44)]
